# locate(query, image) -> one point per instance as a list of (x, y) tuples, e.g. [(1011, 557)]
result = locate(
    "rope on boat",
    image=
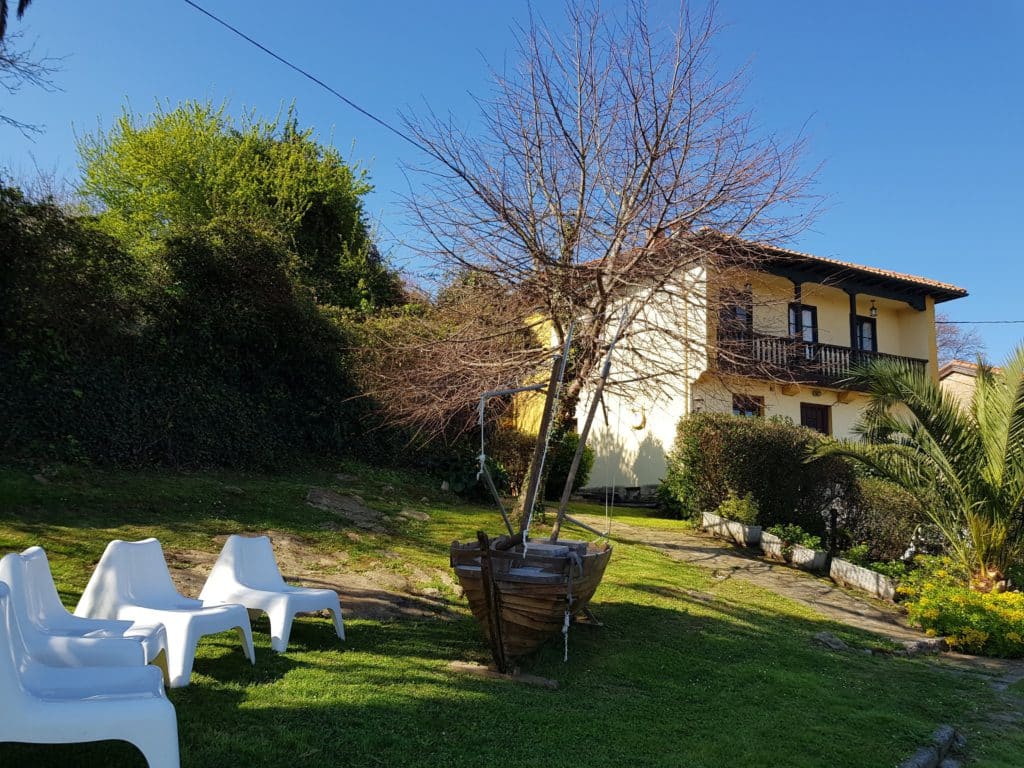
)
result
[(575, 567)]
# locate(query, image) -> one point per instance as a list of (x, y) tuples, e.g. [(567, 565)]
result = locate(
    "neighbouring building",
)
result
[(778, 340), (957, 377)]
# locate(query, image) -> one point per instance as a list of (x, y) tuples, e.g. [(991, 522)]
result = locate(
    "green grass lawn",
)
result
[(686, 671)]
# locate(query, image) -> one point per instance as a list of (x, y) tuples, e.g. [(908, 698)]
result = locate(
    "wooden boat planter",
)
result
[(524, 594), (523, 600)]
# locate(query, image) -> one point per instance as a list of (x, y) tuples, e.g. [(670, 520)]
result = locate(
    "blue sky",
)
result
[(916, 109)]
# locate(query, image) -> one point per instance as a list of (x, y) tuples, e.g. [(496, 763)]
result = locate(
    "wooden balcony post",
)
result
[(854, 341)]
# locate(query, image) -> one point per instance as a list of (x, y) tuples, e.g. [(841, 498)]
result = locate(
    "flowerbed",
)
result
[(984, 623)]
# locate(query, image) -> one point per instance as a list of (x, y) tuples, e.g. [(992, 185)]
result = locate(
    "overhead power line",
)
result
[(309, 76), (978, 322)]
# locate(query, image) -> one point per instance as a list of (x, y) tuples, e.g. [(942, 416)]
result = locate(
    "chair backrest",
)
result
[(43, 601), (251, 559), (12, 573), (12, 656), (128, 573)]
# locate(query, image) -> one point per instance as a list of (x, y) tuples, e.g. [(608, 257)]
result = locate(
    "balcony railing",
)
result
[(794, 360)]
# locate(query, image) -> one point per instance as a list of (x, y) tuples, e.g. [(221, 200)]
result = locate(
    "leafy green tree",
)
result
[(170, 173), (965, 465)]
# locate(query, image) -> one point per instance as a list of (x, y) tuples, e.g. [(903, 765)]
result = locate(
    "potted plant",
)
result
[(855, 570), (792, 544), (735, 520)]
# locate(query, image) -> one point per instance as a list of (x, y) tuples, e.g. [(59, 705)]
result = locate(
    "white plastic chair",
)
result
[(131, 581), (47, 705), (55, 637), (247, 573)]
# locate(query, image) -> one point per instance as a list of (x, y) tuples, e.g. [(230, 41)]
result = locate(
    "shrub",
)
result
[(513, 450), (209, 356), (668, 503), (742, 510), (560, 454), (762, 457), (860, 554), (883, 519), (794, 535), (940, 602), (457, 463)]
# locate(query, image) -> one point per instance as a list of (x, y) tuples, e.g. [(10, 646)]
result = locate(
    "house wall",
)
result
[(632, 435), (714, 395), (902, 330), (960, 386), (635, 428)]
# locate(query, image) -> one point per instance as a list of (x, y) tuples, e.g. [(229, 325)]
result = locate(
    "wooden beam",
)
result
[(854, 342), (912, 295), (584, 526)]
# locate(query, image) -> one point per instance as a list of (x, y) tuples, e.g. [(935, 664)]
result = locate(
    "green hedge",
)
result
[(882, 522), (560, 455), (715, 454), (208, 355)]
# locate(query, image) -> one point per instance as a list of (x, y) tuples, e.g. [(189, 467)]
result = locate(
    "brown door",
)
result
[(816, 417)]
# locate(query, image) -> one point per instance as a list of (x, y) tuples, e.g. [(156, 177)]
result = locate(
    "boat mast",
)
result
[(585, 433), (544, 434)]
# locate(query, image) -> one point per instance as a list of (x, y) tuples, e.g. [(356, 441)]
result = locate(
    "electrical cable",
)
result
[(310, 76)]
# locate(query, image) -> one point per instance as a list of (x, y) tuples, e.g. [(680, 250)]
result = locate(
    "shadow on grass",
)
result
[(694, 683)]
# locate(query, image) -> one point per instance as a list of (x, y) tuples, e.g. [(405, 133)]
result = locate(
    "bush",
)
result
[(457, 463), (668, 503), (560, 454), (513, 450), (860, 554), (741, 510), (938, 600), (208, 356), (794, 535), (715, 453), (883, 519)]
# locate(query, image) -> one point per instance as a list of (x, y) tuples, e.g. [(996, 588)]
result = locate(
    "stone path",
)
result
[(727, 562)]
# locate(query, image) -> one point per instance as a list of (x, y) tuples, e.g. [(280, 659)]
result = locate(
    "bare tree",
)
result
[(22, 6), (955, 342), (611, 165), (19, 67)]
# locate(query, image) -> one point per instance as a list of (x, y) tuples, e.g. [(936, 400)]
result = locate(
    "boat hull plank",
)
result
[(523, 599)]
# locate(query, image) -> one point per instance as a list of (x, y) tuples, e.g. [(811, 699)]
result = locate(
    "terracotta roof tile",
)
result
[(863, 268)]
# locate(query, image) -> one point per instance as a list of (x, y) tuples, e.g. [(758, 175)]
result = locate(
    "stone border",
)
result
[(855, 576), (946, 741), (724, 528)]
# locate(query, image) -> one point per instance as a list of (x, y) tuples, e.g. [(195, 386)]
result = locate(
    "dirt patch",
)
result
[(381, 594), (348, 507)]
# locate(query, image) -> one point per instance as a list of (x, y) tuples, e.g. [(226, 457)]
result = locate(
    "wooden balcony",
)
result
[(787, 359)]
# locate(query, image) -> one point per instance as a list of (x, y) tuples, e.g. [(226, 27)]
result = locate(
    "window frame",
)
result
[(741, 406), (821, 408), (733, 299), (796, 322), (873, 323)]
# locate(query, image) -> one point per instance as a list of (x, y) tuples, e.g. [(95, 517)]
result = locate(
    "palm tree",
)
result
[(964, 463), (22, 5)]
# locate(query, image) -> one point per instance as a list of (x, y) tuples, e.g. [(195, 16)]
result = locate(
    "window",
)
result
[(867, 334), (803, 322), (736, 315), (747, 405), (816, 417)]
